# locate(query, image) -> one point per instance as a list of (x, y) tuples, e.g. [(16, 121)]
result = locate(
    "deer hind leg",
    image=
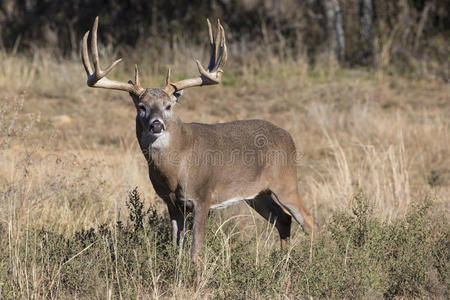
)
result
[(200, 216), (264, 205), (290, 201)]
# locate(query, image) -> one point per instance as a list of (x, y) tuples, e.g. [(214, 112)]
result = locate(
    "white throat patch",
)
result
[(162, 141)]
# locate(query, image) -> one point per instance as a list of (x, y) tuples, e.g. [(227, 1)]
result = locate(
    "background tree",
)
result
[(366, 31), (354, 31)]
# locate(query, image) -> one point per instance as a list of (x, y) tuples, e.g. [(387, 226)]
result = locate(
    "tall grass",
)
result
[(357, 255), (69, 157)]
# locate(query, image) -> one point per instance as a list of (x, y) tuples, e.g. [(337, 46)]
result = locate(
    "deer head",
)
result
[(154, 105)]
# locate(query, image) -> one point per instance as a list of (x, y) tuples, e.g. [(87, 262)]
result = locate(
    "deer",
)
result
[(196, 167)]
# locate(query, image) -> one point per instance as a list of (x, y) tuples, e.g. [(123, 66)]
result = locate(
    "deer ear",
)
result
[(135, 99), (134, 96), (176, 95)]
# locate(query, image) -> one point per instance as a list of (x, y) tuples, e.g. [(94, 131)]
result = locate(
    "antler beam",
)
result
[(97, 78), (213, 75)]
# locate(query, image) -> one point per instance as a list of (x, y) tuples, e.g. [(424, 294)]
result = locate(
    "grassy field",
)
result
[(374, 171)]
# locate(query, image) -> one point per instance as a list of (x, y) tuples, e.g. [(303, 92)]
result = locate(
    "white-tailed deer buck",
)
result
[(196, 167)]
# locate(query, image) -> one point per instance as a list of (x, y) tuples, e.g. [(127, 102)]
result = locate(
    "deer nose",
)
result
[(156, 126)]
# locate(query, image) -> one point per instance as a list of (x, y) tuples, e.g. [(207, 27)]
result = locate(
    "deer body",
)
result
[(196, 167), (194, 160)]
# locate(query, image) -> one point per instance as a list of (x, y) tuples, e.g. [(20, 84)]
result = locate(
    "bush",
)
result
[(355, 256)]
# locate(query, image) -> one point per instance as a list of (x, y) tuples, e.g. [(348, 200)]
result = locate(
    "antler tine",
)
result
[(211, 38), (85, 56), (137, 82), (218, 57), (95, 57), (97, 78), (220, 51), (212, 51), (94, 48), (216, 43), (224, 47), (168, 77)]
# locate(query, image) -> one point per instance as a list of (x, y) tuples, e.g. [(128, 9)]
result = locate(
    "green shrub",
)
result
[(355, 256)]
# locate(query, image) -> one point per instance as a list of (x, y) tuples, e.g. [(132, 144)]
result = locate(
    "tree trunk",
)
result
[(340, 39), (334, 29), (366, 32)]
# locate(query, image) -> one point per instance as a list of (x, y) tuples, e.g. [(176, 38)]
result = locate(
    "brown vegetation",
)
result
[(69, 156), (374, 144)]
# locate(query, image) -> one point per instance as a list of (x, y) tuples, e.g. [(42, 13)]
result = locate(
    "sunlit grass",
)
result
[(69, 157)]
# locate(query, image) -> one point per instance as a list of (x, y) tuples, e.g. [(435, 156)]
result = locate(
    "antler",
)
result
[(214, 73), (97, 78)]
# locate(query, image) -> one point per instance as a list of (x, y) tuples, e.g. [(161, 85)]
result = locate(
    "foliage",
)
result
[(355, 256), (403, 29)]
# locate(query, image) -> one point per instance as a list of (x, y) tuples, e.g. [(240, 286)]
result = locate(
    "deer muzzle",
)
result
[(156, 126)]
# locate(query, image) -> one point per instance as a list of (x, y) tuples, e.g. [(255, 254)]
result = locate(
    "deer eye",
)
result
[(141, 109), (168, 107)]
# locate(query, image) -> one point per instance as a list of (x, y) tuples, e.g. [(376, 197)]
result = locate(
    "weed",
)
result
[(356, 256)]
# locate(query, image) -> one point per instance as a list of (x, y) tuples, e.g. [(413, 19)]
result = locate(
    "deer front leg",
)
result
[(178, 224), (176, 220), (200, 217)]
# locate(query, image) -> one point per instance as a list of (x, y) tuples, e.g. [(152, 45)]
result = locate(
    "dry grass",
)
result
[(69, 156)]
